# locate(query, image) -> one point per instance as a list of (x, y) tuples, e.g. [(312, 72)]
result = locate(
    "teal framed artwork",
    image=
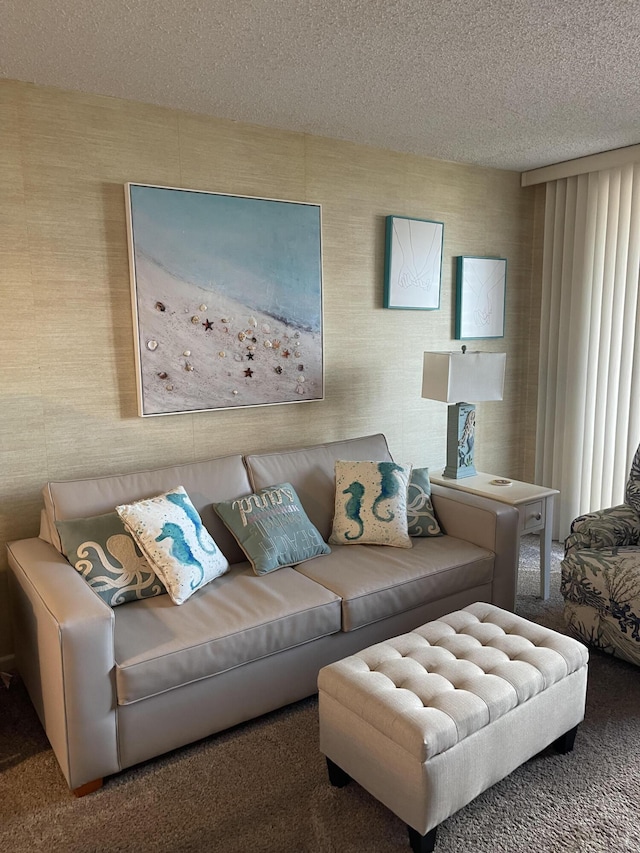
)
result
[(413, 263), (480, 297), (226, 294)]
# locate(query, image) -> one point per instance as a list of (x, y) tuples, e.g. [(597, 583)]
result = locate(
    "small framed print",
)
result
[(413, 263), (480, 297)]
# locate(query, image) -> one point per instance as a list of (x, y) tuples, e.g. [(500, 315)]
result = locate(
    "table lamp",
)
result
[(454, 377)]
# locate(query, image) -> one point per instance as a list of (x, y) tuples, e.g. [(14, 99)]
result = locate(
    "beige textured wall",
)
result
[(67, 383)]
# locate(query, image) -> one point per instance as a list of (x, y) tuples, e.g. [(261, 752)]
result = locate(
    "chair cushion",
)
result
[(601, 588), (236, 618), (376, 582)]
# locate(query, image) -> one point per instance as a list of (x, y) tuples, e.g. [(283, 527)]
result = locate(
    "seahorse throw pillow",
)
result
[(107, 557), (420, 512), (371, 504), (171, 535), (272, 528)]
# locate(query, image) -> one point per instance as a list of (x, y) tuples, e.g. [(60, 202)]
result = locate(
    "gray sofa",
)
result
[(117, 686)]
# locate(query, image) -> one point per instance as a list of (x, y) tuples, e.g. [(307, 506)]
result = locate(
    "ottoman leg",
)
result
[(337, 776), (564, 744), (422, 843)]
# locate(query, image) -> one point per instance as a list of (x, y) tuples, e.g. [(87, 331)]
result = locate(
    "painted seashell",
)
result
[(195, 319), (301, 367), (152, 345), (169, 387), (297, 353), (222, 353), (234, 392), (296, 334), (253, 322), (186, 353), (276, 344), (268, 344), (241, 336), (237, 357), (266, 328), (203, 307), (188, 366), (163, 375), (225, 320), (251, 348), (299, 389), (300, 379), (278, 369), (160, 306)]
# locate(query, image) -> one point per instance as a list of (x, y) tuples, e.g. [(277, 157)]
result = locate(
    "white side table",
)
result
[(534, 503)]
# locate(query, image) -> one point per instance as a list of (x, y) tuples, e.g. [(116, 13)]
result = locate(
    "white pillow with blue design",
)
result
[(371, 504), (170, 533), (420, 512), (102, 550)]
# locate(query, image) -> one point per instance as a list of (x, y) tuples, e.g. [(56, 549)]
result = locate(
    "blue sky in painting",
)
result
[(266, 254)]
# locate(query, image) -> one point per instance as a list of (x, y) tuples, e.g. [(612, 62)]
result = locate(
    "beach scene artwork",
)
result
[(227, 300)]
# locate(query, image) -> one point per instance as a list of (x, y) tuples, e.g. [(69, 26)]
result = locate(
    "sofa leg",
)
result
[(422, 843), (564, 744), (337, 776), (88, 788)]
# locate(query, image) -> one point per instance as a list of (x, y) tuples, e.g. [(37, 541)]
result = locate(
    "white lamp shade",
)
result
[(470, 377)]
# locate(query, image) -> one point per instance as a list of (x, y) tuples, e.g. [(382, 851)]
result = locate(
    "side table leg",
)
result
[(545, 550)]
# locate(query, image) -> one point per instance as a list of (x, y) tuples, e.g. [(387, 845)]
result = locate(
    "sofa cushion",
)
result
[(206, 483), (371, 504), (421, 515), (237, 618), (272, 528), (103, 551), (311, 472), (375, 582), (171, 535)]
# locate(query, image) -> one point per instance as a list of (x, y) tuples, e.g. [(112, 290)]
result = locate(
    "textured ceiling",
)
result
[(513, 84)]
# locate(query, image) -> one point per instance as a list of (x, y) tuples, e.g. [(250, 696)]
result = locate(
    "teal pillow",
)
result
[(421, 515), (272, 528), (107, 557)]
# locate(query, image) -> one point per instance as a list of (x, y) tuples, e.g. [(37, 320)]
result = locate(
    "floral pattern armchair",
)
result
[(601, 575)]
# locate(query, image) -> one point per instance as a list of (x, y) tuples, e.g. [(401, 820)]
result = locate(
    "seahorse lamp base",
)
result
[(461, 426)]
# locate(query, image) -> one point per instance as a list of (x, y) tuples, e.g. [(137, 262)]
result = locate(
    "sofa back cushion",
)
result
[(311, 472), (205, 482)]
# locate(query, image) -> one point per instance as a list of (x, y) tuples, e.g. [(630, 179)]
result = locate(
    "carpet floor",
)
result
[(262, 787)]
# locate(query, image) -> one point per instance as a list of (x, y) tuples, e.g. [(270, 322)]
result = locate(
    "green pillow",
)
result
[(420, 512), (371, 504), (107, 557), (272, 528)]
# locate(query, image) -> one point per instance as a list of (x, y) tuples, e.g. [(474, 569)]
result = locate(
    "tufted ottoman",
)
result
[(427, 721)]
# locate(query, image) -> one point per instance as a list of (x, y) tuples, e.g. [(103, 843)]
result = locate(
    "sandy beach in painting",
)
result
[(201, 350)]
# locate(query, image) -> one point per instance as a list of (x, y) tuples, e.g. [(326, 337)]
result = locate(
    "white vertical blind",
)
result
[(588, 423)]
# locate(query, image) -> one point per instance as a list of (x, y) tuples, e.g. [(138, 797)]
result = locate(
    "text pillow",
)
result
[(421, 515), (107, 557), (272, 528), (171, 535), (371, 504)]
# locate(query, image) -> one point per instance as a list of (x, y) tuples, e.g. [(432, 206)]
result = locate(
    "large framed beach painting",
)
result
[(227, 300)]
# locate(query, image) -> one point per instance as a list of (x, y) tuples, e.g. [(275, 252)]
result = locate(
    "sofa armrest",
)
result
[(605, 528), (64, 642), (488, 524)]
